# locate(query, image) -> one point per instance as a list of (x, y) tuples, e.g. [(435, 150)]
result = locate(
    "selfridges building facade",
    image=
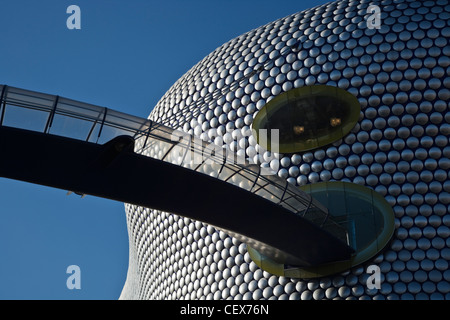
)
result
[(398, 70)]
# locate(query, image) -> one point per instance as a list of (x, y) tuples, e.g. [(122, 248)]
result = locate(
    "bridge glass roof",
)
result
[(51, 114)]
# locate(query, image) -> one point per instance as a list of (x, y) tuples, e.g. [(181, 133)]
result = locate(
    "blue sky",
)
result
[(126, 55)]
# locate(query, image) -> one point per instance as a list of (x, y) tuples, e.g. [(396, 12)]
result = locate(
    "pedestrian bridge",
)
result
[(91, 150)]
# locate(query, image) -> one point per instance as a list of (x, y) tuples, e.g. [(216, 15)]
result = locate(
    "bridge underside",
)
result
[(114, 171)]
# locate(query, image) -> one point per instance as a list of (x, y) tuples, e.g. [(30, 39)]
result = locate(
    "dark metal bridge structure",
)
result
[(90, 150)]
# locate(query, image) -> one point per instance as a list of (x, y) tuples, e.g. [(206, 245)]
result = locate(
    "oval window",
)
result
[(366, 215), (306, 118)]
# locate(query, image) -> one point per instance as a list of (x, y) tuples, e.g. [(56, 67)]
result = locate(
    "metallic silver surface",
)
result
[(400, 74)]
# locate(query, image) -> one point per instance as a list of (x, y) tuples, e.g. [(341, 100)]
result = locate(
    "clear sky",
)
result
[(126, 55)]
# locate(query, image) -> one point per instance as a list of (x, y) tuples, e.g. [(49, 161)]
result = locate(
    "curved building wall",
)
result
[(400, 73)]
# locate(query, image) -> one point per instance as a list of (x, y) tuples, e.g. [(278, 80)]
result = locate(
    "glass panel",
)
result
[(275, 191), (141, 135), (308, 117), (213, 153), (315, 215), (276, 180), (189, 165), (157, 149), (177, 154), (260, 183), (241, 181), (162, 132), (337, 201), (354, 214), (303, 199), (295, 191), (79, 109), (195, 151), (216, 167), (294, 203), (24, 118), (250, 176), (139, 143), (71, 127), (29, 98), (108, 133), (266, 195), (226, 172), (337, 230), (363, 212), (126, 121), (289, 207), (207, 169), (93, 133)]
